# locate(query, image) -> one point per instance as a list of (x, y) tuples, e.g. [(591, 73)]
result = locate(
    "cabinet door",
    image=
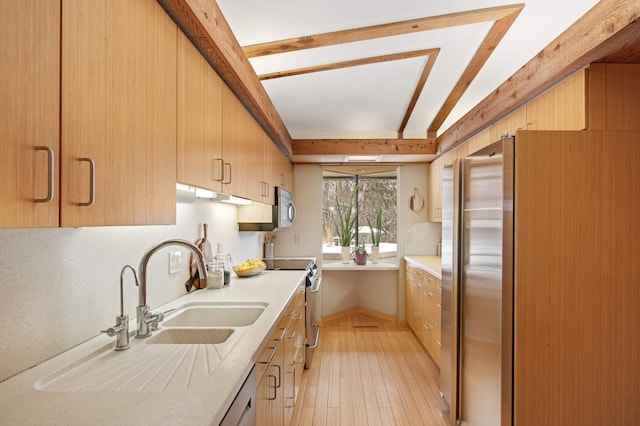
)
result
[(119, 75), (513, 122), (434, 197), (563, 107), (199, 144), (240, 158), (29, 113), (294, 354)]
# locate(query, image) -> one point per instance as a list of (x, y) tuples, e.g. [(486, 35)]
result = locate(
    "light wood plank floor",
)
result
[(369, 371)]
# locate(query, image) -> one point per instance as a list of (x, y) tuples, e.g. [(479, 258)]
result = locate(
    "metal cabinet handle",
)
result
[(279, 338), (291, 335), (50, 183), (273, 352), (224, 165), (275, 390), (92, 182), (279, 375), (221, 170)]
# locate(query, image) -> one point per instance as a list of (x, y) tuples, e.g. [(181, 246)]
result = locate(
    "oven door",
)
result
[(312, 327)]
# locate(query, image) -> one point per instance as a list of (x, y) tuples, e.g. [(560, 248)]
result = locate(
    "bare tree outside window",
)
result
[(372, 190)]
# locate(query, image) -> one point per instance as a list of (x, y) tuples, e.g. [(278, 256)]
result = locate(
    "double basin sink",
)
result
[(191, 342), (193, 323)]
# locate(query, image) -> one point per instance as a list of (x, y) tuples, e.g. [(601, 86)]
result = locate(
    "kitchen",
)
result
[(60, 285)]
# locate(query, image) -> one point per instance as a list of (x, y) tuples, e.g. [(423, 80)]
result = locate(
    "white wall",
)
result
[(60, 287)]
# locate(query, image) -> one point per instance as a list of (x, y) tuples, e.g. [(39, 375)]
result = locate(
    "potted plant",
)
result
[(361, 254), (376, 233), (344, 220)]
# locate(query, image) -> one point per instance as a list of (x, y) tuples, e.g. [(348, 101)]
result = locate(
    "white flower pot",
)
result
[(346, 254), (375, 252)]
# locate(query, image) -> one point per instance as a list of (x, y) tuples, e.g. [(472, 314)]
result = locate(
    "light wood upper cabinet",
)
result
[(199, 144), (29, 113), (434, 197), (513, 122), (614, 96), (238, 148), (253, 164), (563, 107), (118, 113)]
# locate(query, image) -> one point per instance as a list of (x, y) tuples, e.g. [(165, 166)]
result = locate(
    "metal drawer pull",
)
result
[(438, 305), (291, 335), (92, 182), (50, 184), (279, 338), (273, 352)]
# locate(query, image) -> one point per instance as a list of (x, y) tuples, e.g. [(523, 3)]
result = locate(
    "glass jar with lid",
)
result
[(225, 259), (215, 275)]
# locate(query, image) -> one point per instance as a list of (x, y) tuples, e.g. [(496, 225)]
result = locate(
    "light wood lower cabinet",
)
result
[(294, 353), (118, 113), (280, 366), (423, 309), (29, 113)]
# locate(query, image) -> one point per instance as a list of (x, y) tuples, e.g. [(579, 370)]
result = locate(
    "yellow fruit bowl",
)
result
[(243, 272)]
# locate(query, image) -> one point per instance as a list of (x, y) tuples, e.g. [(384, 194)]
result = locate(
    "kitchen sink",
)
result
[(190, 336), (215, 316)]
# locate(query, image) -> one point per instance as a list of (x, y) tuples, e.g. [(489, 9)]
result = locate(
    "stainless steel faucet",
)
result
[(121, 329), (148, 321)]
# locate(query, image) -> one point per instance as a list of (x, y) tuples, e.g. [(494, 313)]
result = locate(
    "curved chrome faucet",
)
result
[(146, 320), (121, 329)]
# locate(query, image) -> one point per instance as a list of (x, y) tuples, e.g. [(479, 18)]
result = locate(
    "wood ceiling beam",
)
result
[(497, 32), (610, 26), (363, 146), (351, 63), (203, 22), (418, 90), (383, 30)]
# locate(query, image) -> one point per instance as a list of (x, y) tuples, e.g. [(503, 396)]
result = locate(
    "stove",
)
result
[(312, 282)]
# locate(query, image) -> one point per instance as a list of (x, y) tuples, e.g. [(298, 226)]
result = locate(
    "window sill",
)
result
[(351, 266)]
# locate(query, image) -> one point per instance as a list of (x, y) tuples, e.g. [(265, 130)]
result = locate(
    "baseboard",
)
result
[(363, 311)]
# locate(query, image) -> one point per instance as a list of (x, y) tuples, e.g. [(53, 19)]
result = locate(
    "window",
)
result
[(364, 192)]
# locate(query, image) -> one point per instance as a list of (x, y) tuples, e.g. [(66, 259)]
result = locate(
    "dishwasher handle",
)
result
[(316, 285), (315, 343)]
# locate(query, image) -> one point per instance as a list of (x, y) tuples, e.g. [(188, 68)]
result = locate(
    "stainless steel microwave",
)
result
[(264, 217), (286, 210)]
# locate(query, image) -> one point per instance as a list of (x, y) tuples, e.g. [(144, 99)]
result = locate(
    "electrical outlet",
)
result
[(297, 238), (175, 260)]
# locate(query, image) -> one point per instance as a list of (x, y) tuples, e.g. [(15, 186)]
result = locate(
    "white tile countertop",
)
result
[(33, 397), (430, 264)]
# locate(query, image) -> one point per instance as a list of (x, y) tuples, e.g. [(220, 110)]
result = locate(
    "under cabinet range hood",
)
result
[(264, 217)]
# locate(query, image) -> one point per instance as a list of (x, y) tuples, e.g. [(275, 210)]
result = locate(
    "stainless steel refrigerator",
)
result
[(477, 286)]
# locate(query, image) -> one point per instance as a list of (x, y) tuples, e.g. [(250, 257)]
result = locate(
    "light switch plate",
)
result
[(175, 260)]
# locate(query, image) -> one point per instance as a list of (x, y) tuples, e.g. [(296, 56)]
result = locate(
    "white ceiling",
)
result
[(369, 101)]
